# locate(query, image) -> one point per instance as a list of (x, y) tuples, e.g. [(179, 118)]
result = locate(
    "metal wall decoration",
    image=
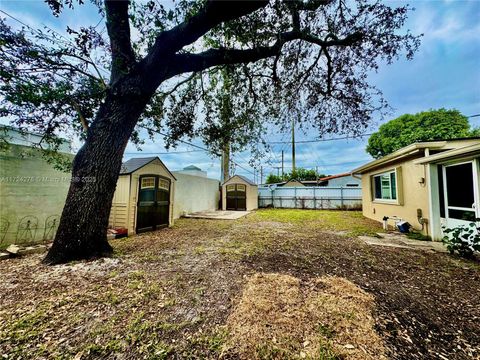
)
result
[(4, 225), (51, 225), (27, 229)]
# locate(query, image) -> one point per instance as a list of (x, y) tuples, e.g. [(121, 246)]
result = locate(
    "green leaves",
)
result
[(300, 174), (407, 129), (308, 72), (464, 240)]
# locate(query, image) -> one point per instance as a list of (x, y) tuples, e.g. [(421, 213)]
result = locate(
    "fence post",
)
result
[(341, 197), (314, 199), (295, 197)]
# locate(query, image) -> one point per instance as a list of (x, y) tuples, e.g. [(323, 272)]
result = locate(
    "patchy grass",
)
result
[(278, 316), (351, 223), (172, 294)]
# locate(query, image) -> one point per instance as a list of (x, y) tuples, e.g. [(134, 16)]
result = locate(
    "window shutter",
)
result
[(399, 185)]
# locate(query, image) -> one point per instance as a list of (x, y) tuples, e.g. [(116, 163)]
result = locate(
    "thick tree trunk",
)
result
[(82, 232)]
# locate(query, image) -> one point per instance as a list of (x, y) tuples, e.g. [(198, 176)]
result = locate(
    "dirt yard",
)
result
[(180, 293)]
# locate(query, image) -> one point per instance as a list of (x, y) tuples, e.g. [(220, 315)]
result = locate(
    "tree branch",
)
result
[(180, 83), (82, 119), (123, 57), (188, 62), (212, 14)]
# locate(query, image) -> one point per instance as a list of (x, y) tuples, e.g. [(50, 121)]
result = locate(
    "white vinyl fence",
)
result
[(315, 197)]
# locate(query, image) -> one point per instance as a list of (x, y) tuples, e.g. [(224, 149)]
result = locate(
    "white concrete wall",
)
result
[(194, 193)]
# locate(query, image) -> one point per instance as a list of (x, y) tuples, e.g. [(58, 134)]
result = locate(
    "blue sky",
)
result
[(444, 73)]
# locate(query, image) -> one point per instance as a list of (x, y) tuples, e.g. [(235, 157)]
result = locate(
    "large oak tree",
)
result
[(317, 53)]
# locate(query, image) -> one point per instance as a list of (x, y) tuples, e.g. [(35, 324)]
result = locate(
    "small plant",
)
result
[(464, 240), (418, 236)]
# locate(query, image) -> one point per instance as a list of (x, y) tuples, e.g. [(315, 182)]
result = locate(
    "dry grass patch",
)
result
[(280, 317)]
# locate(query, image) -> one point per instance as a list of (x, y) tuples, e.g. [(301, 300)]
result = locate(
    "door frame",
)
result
[(235, 197), (451, 222), (157, 177)]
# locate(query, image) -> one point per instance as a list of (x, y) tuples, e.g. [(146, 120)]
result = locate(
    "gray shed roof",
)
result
[(134, 164), (248, 181)]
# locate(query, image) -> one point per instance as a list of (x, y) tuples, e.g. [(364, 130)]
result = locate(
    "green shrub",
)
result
[(464, 240)]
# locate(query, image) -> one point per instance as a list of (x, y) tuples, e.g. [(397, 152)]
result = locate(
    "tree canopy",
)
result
[(315, 54), (427, 125), (299, 174)]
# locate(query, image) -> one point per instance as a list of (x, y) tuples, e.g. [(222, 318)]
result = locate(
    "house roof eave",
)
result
[(385, 160), (466, 151)]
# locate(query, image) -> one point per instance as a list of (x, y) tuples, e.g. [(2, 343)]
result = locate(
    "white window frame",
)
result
[(383, 200), (145, 186), (476, 196), (163, 184)]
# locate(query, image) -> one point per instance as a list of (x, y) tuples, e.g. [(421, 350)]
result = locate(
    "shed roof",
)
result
[(134, 164), (248, 181)]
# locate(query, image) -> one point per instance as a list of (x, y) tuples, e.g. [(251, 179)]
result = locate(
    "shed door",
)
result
[(236, 197), (153, 206)]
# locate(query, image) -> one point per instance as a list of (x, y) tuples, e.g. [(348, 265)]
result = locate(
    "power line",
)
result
[(339, 138), (65, 40), (310, 165), (321, 140), (163, 153), (196, 146), (179, 140)]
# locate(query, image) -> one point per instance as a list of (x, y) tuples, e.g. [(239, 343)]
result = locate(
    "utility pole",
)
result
[(261, 174), (293, 144), (282, 164)]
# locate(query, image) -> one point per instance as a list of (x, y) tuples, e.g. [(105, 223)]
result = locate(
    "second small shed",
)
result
[(143, 199), (239, 193)]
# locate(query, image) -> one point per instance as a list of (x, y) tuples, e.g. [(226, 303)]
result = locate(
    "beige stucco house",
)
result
[(143, 198), (429, 184), (239, 193)]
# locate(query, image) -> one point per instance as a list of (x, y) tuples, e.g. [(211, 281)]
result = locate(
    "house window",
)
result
[(385, 186)]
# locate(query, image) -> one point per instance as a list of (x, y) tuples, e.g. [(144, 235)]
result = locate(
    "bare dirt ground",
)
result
[(169, 294)]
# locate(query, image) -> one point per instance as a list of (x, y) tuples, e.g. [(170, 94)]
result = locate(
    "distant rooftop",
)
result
[(334, 176), (192, 167)]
